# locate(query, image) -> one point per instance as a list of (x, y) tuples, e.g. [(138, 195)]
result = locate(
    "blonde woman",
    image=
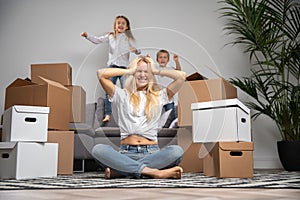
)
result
[(121, 43), (138, 108)]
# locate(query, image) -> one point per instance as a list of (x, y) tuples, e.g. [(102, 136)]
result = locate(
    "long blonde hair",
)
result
[(152, 91)]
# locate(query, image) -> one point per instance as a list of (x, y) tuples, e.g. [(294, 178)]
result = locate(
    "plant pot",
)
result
[(288, 152)]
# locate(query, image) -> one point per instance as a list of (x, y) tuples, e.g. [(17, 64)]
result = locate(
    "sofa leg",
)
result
[(86, 165), (79, 167), (82, 165)]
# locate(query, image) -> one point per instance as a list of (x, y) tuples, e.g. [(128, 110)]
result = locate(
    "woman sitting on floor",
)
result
[(138, 109)]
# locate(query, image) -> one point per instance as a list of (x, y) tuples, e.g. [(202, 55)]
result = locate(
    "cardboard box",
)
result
[(24, 160), (78, 105), (49, 94), (222, 120), (229, 159), (25, 123), (65, 140), (192, 160), (201, 91), (58, 72)]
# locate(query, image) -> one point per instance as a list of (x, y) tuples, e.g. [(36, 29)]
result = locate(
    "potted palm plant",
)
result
[(269, 30)]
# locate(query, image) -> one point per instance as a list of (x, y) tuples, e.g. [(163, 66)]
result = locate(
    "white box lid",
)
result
[(31, 109), (220, 104)]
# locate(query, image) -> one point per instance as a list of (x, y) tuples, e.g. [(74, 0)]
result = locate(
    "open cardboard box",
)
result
[(48, 93), (200, 91)]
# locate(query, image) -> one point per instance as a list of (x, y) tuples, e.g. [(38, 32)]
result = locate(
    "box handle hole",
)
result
[(236, 153), (5, 155), (243, 120), (30, 119)]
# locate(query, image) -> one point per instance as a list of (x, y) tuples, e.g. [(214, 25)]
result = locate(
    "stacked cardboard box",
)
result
[(224, 127), (211, 117), (51, 86), (24, 151), (196, 89), (229, 159), (49, 94), (62, 73), (222, 120)]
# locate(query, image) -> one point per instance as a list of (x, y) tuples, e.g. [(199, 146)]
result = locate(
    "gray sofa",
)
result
[(93, 132)]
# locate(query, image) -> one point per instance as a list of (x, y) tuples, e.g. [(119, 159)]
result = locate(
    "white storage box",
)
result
[(25, 123), (24, 160), (222, 120)]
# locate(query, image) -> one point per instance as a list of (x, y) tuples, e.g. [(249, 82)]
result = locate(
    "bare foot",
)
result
[(107, 173), (111, 174), (174, 172), (106, 118)]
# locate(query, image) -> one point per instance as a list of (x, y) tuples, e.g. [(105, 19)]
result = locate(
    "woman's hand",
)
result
[(154, 70), (132, 66)]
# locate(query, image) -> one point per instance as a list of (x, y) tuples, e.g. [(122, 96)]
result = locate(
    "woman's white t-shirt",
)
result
[(137, 124)]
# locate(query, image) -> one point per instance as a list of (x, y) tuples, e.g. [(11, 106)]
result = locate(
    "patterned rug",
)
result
[(262, 179)]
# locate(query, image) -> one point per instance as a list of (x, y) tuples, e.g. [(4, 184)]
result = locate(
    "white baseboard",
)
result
[(267, 163)]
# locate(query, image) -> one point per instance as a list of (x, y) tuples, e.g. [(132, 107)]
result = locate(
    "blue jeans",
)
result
[(131, 160), (172, 114), (107, 105)]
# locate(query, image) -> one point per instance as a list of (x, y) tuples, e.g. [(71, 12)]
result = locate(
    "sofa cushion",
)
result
[(115, 132), (107, 132), (167, 132), (82, 128)]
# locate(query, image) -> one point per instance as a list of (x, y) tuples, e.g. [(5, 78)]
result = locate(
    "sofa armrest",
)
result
[(167, 132)]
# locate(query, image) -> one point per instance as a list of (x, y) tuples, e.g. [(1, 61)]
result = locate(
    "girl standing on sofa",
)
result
[(121, 43), (138, 107)]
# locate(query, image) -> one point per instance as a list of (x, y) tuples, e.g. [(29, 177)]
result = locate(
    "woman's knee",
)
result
[(100, 149), (176, 150)]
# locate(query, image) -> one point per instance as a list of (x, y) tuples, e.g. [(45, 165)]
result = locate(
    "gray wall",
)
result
[(42, 31)]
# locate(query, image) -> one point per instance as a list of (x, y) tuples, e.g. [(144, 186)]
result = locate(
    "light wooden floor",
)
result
[(160, 193)]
